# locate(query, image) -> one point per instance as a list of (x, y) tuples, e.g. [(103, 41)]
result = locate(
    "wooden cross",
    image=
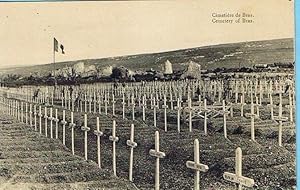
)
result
[(46, 121), (85, 103), (257, 106), (98, 133), (237, 176), (64, 122), (72, 125), (133, 106), (271, 105), (224, 112), (51, 118), (178, 108), (30, 115), (69, 100), (190, 110), (242, 103), (22, 109), (291, 105), (171, 101), (252, 115), (114, 139), (158, 154), (90, 104), (132, 145), (123, 104), (280, 118), (155, 106), (85, 128), (196, 165), (105, 103), (34, 113), (26, 113), (236, 91), (99, 103), (144, 104), (62, 100), (56, 120), (113, 104), (95, 102), (205, 110), (165, 106)]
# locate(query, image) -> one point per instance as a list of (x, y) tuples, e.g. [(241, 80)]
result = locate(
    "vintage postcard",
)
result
[(147, 95)]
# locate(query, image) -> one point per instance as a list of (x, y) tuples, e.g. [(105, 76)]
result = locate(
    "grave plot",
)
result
[(30, 160), (148, 134)]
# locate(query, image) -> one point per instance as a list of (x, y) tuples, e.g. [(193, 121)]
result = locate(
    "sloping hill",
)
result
[(225, 55)]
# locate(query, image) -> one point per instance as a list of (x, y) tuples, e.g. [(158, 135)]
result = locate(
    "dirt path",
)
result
[(29, 160)]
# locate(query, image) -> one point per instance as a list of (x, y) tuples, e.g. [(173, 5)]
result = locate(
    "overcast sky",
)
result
[(105, 29)]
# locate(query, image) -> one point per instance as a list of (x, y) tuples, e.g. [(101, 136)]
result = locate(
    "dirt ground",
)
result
[(271, 166), (29, 160)]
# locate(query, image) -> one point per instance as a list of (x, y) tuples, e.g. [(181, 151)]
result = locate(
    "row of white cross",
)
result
[(190, 109), (174, 88), (194, 165)]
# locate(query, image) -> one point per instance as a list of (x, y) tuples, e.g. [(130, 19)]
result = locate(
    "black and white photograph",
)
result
[(142, 95)]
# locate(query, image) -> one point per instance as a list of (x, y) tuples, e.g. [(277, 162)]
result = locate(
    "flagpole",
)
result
[(54, 56)]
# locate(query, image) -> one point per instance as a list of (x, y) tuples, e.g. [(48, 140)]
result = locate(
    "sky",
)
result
[(106, 29)]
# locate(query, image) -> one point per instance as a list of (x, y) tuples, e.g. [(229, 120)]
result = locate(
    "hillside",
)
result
[(225, 55)]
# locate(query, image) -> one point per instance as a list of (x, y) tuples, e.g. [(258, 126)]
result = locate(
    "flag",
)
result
[(62, 49), (56, 46)]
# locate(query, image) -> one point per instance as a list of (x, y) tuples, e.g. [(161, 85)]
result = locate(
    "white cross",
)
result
[(22, 109), (144, 104), (46, 125), (63, 122), (30, 115), (224, 112), (237, 176), (133, 106), (280, 118), (178, 108), (123, 104), (56, 120), (51, 123), (98, 133), (252, 116), (72, 125), (158, 154), (85, 128), (154, 111), (113, 104), (196, 165), (165, 106), (205, 110), (34, 113), (114, 139), (26, 113), (271, 105), (132, 145)]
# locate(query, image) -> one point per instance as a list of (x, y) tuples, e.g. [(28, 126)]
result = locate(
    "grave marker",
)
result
[(158, 154), (85, 128), (237, 176), (64, 122), (132, 145), (98, 133), (196, 165), (72, 125), (114, 139), (56, 120)]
